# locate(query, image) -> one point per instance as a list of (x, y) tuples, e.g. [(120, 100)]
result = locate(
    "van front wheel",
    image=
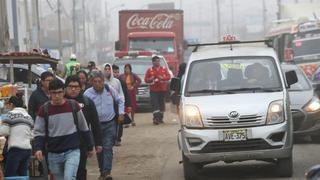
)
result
[(285, 167), (190, 170)]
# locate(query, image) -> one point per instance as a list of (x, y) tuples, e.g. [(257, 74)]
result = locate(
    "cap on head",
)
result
[(155, 58), (73, 56), (91, 64), (97, 73)]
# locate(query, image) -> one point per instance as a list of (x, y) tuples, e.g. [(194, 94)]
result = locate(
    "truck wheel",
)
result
[(190, 170), (285, 167), (315, 138)]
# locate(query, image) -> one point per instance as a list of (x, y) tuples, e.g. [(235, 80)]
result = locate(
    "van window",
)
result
[(232, 73)]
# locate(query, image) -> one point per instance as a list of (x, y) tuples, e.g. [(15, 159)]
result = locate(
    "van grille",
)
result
[(248, 145), (226, 122)]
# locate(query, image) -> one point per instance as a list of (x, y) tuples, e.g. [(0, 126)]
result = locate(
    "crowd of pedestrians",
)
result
[(67, 122)]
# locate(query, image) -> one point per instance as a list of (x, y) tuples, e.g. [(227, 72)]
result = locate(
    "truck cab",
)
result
[(163, 43), (153, 30)]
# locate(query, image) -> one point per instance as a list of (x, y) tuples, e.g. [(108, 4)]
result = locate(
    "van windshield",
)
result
[(233, 75)]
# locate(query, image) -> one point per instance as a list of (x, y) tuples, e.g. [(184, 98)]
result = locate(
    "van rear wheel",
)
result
[(285, 167), (190, 170)]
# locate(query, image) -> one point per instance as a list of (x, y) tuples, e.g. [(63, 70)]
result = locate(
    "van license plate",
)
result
[(235, 135)]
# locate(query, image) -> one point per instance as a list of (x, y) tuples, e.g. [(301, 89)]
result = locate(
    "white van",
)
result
[(234, 106)]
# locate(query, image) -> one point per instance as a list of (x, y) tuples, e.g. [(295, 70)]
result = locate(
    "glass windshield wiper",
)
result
[(210, 91), (254, 89)]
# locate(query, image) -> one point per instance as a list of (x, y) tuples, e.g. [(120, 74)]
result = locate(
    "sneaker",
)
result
[(108, 177), (117, 143), (161, 121), (126, 126), (105, 176)]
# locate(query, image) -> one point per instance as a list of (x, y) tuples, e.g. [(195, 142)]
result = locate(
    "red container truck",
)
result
[(153, 30)]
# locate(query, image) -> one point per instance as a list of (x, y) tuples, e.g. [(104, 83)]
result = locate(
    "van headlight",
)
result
[(192, 117), (313, 105), (275, 112)]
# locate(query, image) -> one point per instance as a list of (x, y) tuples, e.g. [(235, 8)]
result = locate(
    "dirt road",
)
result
[(145, 150), (150, 152)]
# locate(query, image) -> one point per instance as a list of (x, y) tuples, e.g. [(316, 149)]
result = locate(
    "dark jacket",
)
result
[(134, 78), (37, 99), (127, 99), (90, 113)]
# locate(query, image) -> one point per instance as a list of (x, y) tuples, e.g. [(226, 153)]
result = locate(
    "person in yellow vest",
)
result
[(72, 67)]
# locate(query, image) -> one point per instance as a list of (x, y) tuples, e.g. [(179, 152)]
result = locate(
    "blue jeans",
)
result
[(64, 166), (108, 130), (17, 162)]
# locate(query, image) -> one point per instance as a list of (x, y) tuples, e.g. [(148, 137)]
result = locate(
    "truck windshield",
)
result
[(161, 45), (232, 75), (306, 46)]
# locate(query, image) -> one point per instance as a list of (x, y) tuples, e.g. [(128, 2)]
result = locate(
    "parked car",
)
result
[(235, 106), (140, 64), (305, 105), (20, 72)]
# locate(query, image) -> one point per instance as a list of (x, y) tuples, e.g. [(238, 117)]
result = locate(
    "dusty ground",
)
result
[(145, 150)]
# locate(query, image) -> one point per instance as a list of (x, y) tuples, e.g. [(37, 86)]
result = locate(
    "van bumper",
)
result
[(263, 142)]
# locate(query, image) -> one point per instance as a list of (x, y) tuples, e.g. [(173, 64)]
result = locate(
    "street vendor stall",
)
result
[(28, 58), (7, 89)]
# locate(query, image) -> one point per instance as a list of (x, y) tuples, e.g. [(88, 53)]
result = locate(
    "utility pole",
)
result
[(28, 40), (15, 25), (264, 21), (59, 28), (38, 23), (4, 27), (232, 17), (218, 19), (279, 9), (84, 27), (74, 26)]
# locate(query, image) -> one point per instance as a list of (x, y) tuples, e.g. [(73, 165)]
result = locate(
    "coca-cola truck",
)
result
[(160, 31)]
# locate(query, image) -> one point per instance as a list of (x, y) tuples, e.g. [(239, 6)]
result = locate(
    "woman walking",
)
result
[(133, 82), (17, 126)]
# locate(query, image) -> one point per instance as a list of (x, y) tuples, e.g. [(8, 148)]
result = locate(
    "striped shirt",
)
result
[(62, 131)]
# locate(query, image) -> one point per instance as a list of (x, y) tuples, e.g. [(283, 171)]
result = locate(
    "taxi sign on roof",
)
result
[(229, 38)]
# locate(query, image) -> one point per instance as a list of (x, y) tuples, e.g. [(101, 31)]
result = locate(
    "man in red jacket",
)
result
[(158, 78)]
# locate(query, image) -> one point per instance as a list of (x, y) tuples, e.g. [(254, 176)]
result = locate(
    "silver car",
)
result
[(305, 105), (139, 65), (234, 107)]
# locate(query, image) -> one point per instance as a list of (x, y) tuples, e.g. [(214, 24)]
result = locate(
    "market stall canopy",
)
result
[(27, 58)]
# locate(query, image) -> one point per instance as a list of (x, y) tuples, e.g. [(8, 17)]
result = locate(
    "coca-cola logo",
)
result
[(159, 21)]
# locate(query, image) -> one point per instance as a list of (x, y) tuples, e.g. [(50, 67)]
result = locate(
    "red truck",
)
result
[(153, 30)]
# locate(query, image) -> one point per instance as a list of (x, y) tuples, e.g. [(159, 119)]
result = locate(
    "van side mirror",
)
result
[(185, 44), (117, 45), (175, 84), (291, 77)]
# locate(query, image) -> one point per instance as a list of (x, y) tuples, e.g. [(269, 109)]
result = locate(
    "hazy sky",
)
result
[(238, 17)]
